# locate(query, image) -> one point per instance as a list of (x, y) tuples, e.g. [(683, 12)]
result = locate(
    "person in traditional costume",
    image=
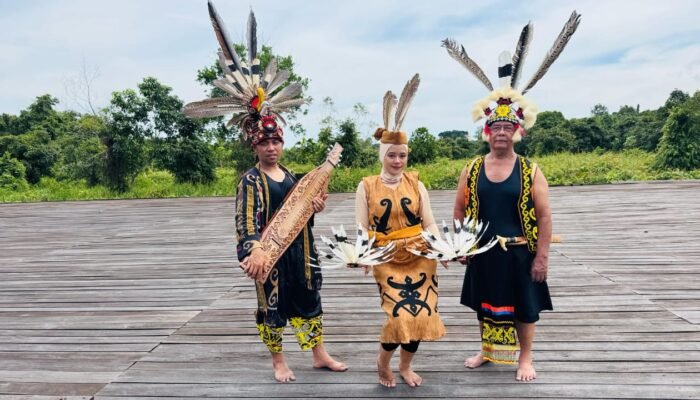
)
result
[(506, 286), (290, 294), (394, 206)]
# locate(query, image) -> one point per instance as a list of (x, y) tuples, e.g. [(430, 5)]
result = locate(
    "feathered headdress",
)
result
[(507, 103), (396, 109), (250, 92)]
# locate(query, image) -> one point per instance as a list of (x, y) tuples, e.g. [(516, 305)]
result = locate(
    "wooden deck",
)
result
[(142, 299)]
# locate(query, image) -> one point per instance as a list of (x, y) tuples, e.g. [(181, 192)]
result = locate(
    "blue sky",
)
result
[(625, 52)]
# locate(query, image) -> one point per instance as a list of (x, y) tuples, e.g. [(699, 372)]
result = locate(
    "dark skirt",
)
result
[(285, 294), (502, 279)]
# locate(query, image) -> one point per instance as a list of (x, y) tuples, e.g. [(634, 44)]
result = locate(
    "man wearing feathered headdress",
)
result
[(290, 294), (506, 285)]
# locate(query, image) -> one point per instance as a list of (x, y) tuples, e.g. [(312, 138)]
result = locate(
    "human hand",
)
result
[(366, 268), (254, 265), (319, 202), (539, 269), (464, 260)]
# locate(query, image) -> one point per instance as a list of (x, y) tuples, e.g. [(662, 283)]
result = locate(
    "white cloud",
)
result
[(625, 52)]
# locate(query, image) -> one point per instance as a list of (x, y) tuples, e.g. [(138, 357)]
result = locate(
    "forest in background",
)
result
[(141, 145)]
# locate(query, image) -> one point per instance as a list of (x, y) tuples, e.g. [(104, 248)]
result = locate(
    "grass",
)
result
[(560, 169)]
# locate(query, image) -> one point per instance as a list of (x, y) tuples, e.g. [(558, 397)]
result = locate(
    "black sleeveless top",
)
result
[(496, 202), (278, 191), (502, 278)]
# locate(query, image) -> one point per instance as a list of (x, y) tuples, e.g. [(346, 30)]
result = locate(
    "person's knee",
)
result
[(527, 318), (389, 346), (411, 347)]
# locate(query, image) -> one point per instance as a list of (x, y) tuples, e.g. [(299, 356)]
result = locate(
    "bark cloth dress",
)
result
[(408, 285)]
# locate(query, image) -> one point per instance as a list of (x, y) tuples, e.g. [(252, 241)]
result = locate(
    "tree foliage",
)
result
[(154, 114), (424, 147), (144, 128), (679, 147), (12, 173)]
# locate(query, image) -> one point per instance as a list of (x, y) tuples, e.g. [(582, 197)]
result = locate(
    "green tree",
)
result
[(154, 114), (551, 140), (599, 110), (423, 145), (82, 153), (31, 136), (675, 99), (40, 115), (456, 145), (550, 134), (589, 135), (34, 149), (646, 132), (12, 173), (8, 124), (305, 151), (124, 139), (348, 137), (453, 134), (191, 161), (680, 144)]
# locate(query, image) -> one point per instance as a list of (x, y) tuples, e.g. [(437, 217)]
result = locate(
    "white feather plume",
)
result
[(361, 253), (463, 243)]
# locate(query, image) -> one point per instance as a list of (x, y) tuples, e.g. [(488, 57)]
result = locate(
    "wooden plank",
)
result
[(372, 390), (146, 294)]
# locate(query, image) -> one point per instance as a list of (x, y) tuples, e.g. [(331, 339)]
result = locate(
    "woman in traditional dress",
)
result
[(394, 207)]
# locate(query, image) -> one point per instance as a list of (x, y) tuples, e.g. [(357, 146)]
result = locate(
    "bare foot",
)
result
[(323, 360), (411, 378), (475, 361), (386, 377), (526, 372), (282, 372), (329, 363)]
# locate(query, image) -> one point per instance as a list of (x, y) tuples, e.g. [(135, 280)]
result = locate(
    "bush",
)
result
[(12, 173), (424, 147), (193, 162), (550, 140), (39, 160), (82, 152), (34, 150), (125, 158), (680, 144)]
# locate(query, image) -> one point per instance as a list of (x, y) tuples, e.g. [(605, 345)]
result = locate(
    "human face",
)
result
[(269, 151), (395, 159), (501, 135)]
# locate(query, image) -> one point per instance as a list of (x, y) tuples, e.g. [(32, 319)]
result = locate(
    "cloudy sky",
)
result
[(625, 52)]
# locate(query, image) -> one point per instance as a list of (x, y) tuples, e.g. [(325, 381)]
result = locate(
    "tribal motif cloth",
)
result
[(408, 285), (291, 291), (309, 333), (498, 284)]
